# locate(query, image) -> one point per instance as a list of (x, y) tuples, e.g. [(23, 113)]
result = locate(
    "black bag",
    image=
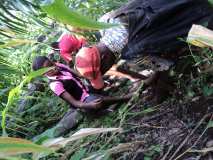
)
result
[(156, 26)]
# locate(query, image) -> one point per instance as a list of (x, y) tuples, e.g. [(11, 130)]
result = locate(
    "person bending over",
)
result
[(67, 45), (146, 27)]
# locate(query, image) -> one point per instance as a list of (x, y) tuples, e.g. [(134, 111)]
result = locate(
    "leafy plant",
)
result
[(15, 92), (16, 42), (12, 146), (211, 1), (59, 11)]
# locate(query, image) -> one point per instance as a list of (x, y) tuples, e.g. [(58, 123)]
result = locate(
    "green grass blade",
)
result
[(8, 12), (211, 2), (12, 146), (59, 11), (12, 20), (13, 158), (6, 67), (14, 93), (16, 42), (4, 34)]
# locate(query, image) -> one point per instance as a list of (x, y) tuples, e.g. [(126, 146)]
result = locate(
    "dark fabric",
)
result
[(70, 85), (92, 97), (210, 24), (69, 121), (155, 25), (72, 88), (74, 76), (38, 62)]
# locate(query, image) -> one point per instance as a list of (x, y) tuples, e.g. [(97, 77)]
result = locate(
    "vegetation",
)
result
[(179, 128)]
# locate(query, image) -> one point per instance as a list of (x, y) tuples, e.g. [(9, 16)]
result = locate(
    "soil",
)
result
[(170, 126)]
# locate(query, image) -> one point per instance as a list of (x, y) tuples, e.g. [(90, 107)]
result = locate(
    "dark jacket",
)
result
[(156, 26)]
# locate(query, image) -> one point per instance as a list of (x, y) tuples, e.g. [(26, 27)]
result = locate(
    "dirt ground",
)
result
[(172, 127)]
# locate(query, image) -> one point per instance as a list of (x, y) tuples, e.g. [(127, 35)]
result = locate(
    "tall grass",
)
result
[(15, 92)]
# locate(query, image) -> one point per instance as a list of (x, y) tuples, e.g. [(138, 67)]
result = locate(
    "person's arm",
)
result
[(58, 88), (106, 101), (116, 99), (71, 100), (100, 103)]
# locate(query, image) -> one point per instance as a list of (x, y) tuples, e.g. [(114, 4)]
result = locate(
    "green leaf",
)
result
[(4, 69), (14, 93), (211, 2), (147, 158), (13, 158), (13, 146), (157, 148), (207, 91), (59, 11), (190, 93), (11, 14), (78, 155), (146, 111), (16, 42), (210, 124)]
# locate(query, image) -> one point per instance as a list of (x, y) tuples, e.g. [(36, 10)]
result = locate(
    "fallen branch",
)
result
[(61, 142), (117, 149), (187, 138), (167, 153), (205, 150), (190, 149)]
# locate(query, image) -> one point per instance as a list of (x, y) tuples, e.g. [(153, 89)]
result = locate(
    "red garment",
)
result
[(88, 63), (69, 44)]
